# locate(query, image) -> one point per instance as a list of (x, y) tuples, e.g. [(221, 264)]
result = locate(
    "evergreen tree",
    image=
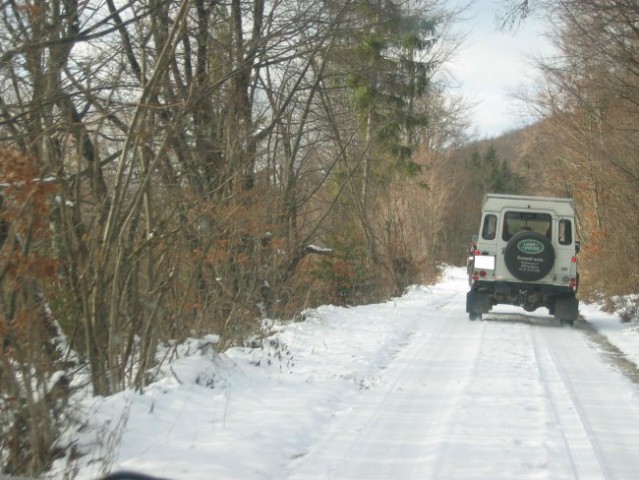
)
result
[(382, 62), (493, 175), (383, 51)]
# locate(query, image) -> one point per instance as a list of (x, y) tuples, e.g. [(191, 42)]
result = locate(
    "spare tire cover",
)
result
[(529, 256)]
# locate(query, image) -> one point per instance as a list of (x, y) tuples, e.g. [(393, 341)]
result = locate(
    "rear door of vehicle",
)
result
[(517, 219)]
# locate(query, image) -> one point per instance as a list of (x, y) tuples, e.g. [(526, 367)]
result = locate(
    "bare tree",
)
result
[(200, 153), (589, 102)]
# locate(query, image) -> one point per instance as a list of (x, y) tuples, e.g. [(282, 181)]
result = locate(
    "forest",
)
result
[(171, 169)]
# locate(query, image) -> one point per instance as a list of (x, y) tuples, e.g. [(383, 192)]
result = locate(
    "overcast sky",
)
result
[(492, 64)]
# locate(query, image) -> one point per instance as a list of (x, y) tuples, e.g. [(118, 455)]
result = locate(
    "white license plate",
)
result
[(484, 262)]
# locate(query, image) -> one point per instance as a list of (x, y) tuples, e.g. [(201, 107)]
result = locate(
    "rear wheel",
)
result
[(474, 316)]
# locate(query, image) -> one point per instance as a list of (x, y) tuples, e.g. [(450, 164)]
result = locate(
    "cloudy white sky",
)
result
[(492, 64)]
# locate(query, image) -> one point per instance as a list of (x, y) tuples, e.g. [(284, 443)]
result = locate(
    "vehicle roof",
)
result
[(497, 201)]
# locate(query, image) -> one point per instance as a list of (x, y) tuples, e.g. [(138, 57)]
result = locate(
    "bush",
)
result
[(33, 392)]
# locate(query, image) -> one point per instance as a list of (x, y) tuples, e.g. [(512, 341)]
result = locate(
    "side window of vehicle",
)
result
[(489, 229), (565, 232)]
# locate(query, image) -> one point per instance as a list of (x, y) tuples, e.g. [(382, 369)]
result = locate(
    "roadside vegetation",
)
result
[(170, 169), (583, 146)]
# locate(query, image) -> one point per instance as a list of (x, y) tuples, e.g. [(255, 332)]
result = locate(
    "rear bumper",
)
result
[(483, 295), (516, 288)]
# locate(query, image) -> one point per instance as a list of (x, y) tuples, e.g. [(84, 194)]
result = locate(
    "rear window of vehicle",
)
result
[(565, 232), (515, 222), (489, 230)]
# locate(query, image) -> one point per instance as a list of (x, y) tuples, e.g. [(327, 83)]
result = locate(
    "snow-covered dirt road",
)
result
[(515, 396), (406, 389)]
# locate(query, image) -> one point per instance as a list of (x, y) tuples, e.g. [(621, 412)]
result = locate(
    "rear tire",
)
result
[(474, 316)]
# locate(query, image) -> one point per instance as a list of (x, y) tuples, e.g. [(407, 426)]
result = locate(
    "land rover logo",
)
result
[(530, 247)]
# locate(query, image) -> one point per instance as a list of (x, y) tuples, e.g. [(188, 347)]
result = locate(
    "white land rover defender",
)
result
[(525, 255)]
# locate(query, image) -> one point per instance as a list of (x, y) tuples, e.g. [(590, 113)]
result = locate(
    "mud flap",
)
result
[(477, 303), (567, 308)]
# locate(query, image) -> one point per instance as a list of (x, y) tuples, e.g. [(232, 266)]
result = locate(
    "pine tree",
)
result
[(492, 174), (382, 66)]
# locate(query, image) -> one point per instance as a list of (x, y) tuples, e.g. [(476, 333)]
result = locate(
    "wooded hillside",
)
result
[(586, 141)]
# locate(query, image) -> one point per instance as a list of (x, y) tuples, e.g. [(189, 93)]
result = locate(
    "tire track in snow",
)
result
[(444, 456), (385, 419), (604, 399), (414, 353), (503, 399), (498, 429), (583, 455)]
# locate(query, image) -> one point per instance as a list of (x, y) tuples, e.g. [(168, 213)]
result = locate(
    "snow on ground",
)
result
[(624, 336), (405, 389)]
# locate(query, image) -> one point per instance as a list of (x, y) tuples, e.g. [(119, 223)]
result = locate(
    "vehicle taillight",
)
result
[(572, 283), (482, 273), (574, 259)]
